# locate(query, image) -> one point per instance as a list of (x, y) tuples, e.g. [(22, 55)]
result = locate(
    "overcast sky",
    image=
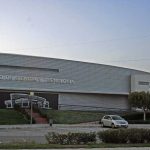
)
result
[(114, 32)]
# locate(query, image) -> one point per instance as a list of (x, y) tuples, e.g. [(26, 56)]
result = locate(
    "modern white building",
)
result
[(69, 84)]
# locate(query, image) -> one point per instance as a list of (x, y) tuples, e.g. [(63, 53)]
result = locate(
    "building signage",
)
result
[(36, 79)]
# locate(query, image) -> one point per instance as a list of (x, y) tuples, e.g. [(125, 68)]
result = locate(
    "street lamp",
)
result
[(149, 88)]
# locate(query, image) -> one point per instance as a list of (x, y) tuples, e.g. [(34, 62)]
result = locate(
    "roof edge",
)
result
[(35, 56)]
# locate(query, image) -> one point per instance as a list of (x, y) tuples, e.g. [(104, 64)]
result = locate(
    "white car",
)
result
[(114, 121)]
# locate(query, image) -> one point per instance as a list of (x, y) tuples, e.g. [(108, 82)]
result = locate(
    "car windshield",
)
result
[(117, 118)]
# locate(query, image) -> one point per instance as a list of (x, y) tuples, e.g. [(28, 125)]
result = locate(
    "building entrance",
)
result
[(51, 99)]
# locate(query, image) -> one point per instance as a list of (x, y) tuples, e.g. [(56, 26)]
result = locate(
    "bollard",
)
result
[(51, 122)]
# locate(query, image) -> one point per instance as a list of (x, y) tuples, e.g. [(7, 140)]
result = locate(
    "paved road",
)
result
[(36, 133)]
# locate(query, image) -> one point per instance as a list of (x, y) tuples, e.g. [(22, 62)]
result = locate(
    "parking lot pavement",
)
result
[(36, 133), (146, 126)]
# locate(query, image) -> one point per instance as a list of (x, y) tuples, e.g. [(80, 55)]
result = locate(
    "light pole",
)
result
[(31, 94), (149, 89)]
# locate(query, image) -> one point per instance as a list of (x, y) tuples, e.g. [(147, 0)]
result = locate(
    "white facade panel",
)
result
[(89, 84), (92, 101), (81, 77), (140, 83)]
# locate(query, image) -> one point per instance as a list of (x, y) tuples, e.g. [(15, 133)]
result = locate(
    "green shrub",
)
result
[(135, 136), (17, 107), (11, 116), (27, 116), (71, 117), (81, 138), (139, 121), (136, 116), (56, 138), (147, 136), (113, 136), (125, 136), (71, 138)]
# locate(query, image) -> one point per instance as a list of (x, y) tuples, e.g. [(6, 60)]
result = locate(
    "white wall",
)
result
[(95, 100), (140, 83)]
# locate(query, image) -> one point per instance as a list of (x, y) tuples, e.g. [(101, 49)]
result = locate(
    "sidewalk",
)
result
[(47, 125), (82, 125), (24, 126)]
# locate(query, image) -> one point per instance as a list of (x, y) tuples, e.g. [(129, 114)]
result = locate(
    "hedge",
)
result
[(71, 138), (139, 121), (136, 116), (125, 136), (116, 136), (18, 108)]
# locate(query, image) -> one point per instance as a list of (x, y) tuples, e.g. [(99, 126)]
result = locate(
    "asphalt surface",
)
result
[(36, 133)]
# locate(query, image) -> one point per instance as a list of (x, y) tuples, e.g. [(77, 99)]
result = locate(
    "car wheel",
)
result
[(112, 125), (103, 125)]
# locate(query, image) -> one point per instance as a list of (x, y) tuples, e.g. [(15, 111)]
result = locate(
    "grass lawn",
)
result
[(71, 117), (52, 146), (10, 116)]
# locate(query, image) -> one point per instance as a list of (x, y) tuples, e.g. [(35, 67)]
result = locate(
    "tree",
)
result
[(140, 100)]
